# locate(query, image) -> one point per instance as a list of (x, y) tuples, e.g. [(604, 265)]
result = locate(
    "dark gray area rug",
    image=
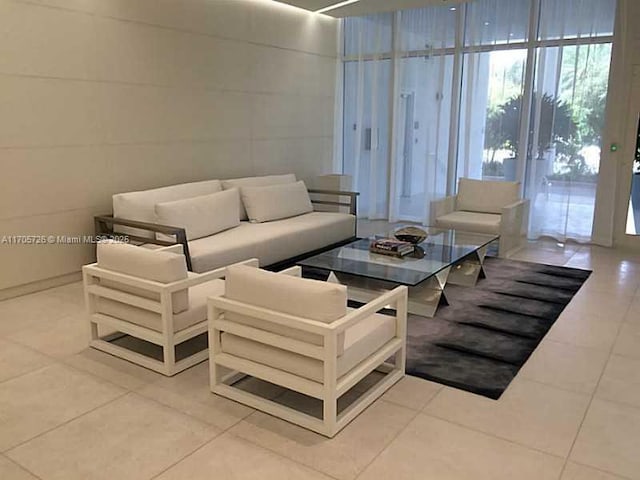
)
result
[(487, 332)]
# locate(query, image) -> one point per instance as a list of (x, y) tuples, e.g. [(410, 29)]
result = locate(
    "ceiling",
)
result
[(364, 7)]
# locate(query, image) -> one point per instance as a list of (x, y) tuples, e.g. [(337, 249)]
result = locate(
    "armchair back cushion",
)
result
[(201, 216), (162, 267), (275, 202), (486, 196), (256, 182), (301, 297), (140, 206)]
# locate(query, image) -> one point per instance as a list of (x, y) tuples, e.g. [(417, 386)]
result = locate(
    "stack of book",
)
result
[(392, 247)]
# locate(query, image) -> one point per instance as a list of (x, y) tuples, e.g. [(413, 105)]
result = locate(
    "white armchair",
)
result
[(485, 207), (149, 295), (299, 334)]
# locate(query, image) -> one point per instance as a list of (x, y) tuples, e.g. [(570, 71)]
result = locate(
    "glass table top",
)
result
[(441, 249)]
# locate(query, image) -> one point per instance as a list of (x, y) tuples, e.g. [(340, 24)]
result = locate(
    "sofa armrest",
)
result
[(332, 198), (515, 218), (104, 227), (442, 207), (352, 204)]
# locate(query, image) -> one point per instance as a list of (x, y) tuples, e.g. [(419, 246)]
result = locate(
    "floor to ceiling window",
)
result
[(510, 90)]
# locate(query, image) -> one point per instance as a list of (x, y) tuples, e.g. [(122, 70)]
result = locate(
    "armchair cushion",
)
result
[(201, 216), (275, 202), (256, 182), (145, 318), (486, 196), (311, 299), (360, 341), (163, 267), (140, 206), (471, 222)]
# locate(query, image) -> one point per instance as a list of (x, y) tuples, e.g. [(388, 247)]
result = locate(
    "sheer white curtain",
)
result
[(494, 65), (423, 101), (367, 84), (567, 116)]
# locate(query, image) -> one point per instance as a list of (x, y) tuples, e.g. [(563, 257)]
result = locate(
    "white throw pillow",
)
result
[(201, 216), (256, 182), (486, 196), (139, 206), (276, 201), (163, 267)]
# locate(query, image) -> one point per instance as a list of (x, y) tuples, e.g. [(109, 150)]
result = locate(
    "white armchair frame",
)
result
[(332, 387), (513, 226), (167, 338)]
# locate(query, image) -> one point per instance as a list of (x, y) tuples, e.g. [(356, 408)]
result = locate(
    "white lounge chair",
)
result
[(299, 334), (149, 295)]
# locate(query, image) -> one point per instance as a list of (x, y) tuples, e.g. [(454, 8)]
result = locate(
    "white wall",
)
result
[(621, 128), (105, 96)]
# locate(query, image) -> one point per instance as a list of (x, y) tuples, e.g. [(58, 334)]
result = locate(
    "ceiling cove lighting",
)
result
[(336, 5)]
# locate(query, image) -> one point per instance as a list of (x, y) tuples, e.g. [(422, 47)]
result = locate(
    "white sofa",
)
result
[(485, 207), (299, 227)]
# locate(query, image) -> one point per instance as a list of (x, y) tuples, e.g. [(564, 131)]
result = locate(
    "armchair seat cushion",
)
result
[(196, 313), (471, 221), (360, 341)]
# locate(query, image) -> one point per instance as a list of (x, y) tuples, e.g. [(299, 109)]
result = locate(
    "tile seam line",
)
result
[(160, 143), (388, 445), (8, 451), (137, 391), (227, 432), (492, 435), (414, 412), (22, 467), (46, 214), (593, 396), (167, 86), (557, 387), (174, 29)]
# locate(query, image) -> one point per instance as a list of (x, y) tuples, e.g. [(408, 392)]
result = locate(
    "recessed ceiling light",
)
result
[(336, 5), (453, 9)]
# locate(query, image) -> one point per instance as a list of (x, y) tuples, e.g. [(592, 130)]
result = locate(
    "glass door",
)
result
[(563, 157)]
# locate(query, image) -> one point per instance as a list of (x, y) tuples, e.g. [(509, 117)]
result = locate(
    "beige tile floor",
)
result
[(573, 412)]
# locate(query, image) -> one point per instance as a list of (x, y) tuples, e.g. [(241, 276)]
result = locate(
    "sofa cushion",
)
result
[(162, 267), (195, 314), (256, 182), (140, 206), (271, 242), (201, 216), (275, 202), (471, 222), (486, 196), (360, 341)]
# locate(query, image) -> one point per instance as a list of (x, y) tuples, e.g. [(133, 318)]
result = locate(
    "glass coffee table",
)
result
[(446, 256)]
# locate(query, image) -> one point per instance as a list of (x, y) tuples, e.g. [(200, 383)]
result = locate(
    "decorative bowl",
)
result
[(413, 235)]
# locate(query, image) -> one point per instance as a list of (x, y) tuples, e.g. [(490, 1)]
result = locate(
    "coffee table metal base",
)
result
[(425, 298)]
